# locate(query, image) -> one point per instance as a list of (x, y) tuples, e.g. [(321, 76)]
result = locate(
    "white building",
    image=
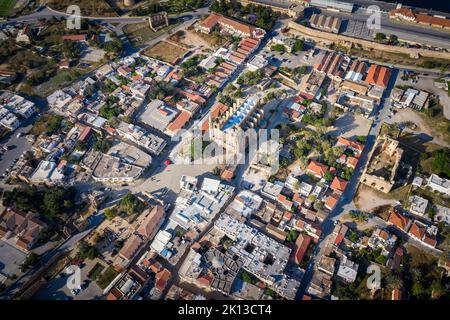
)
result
[(439, 184), (10, 121), (418, 205), (43, 172), (348, 270), (246, 203), (256, 63), (271, 190), (58, 99), (442, 214)]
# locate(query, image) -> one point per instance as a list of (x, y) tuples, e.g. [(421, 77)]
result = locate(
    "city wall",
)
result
[(317, 34)]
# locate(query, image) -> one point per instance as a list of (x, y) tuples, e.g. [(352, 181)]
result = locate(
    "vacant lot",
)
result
[(350, 125), (436, 128), (5, 7), (191, 39), (10, 259), (140, 33), (88, 7), (367, 198), (165, 51)]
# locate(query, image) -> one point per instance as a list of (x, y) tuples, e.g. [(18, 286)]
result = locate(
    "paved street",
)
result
[(402, 31)]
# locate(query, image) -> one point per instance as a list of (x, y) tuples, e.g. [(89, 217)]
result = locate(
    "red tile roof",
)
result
[(331, 201), (284, 201), (338, 184), (148, 226), (210, 21), (357, 146), (301, 244), (378, 75), (227, 175), (396, 294), (85, 134), (417, 230), (75, 37), (398, 220), (317, 169), (179, 122), (436, 21)]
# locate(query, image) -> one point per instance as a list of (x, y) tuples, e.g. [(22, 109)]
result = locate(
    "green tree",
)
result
[(298, 46), (278, 48), (30, 261), (393, 38), (328, 176), (380, 36), (110, 213), (441, 160)]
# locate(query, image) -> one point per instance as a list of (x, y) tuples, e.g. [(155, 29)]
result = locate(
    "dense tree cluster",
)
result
[(48, 202), (265, 16)]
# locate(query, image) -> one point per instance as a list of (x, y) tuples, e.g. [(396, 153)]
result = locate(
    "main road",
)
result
[(404, 31)]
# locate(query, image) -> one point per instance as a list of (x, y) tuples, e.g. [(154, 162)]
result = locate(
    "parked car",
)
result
[(75, 292)]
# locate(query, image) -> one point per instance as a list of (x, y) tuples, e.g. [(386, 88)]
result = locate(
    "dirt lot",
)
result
[(165, 51), (213, 40), (431, 127), (88, 8), (367, 198), (190, 39), (350, 126), (140, 33)]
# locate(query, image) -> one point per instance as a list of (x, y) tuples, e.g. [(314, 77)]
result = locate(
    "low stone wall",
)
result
[(413, 52)]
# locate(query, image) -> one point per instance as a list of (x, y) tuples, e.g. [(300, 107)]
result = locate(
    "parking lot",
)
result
[(56, 288), (10, 259), (350, 125), (16, 145)]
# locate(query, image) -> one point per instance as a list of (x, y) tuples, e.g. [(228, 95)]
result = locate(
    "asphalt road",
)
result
[(403, 31)]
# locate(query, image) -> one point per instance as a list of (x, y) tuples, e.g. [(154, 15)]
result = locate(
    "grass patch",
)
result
[(48, 124), (95, 272), (165, 51), (60, 80), (87, 7), (6, 7), (105, 279), (140, 33)]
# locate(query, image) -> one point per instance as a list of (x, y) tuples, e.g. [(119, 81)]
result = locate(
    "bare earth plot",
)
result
[(191, 39), (350, 126), (367, 198), (430, 127), (165, 51), (140, 33), (87, 7)]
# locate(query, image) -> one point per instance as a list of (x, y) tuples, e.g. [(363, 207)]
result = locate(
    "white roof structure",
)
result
[(160, 241), (442, 214), (418, 205), (348, 270), (210, 185)]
